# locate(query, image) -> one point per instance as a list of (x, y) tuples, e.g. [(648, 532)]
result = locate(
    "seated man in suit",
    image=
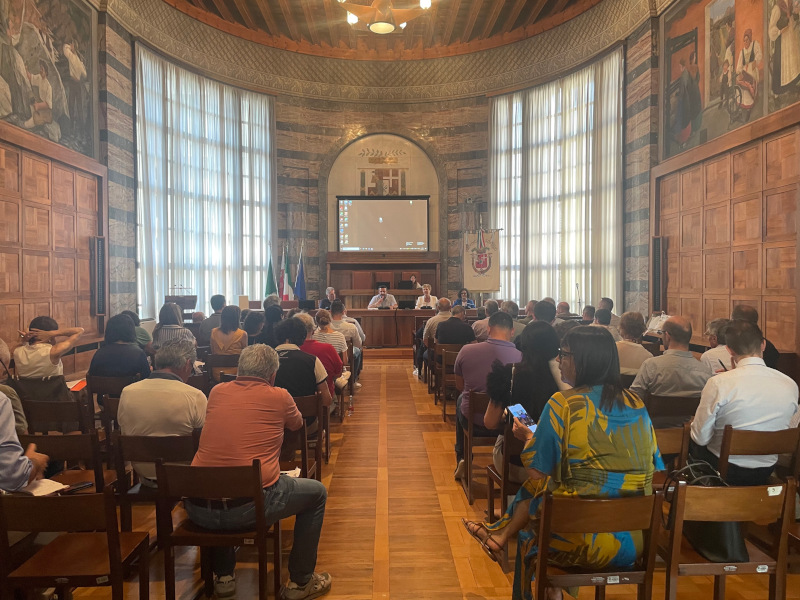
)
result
[(455, 330)]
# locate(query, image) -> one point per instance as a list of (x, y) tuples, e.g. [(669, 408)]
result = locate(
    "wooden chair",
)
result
[(511, 447), (45, 416), (226, 363), (93, 553), (200, 381), (756, 504), (146, 449), (214, 484), (561, 515), (672, 442), (477, 406), (742, 442), (671, 411), (351, 356), (46, 389), (627, 380), (430, 366), (203, 352), (310, 407), (295, 442), (447, 376), (97, 387), (76, 449), (227, 377)]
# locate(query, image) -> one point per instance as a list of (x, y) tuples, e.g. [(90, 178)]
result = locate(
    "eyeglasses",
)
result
[(563, 353)]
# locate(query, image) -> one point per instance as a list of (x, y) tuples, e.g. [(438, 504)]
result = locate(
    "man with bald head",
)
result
[(745, 312), (481, 327), (676, 372), (429, 333)]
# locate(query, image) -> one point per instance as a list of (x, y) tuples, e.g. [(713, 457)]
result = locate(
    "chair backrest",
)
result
[(84, 447), (222, 364), (70, 415), (226, 377), (674, 407), (758, 504), (580, 515), (310, 406), (627, 379), (203, 352), (110, 386), (199, 381), (743, 442), (511, 447), (47, 389), (176, 481), (674, 441), (79, 512), (149, 449)]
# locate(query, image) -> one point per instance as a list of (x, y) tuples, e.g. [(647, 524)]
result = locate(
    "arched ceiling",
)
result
[(319, 27)]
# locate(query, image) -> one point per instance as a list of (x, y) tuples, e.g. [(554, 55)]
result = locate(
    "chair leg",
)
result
[(444, 408), (144, 573), (327, 435), (719, 587), (671, 585), (125, 515), (490, 498), (169, 571), (600, 592), (468, 465), (276, 559), (206, 571), (262, 570)]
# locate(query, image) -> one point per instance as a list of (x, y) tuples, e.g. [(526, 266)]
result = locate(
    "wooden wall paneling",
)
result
[(10, 321), (780, 268), (716, 225), (746, 269), (691, 307), (65, 311), (749, 299), (85, 318), (68, 362), (82, 360), (717, 271), (64, 234), (673, 273), (746, 170), (746, 220), (10, 172), (780, 214), (84, 276), (691, 230), (37, 226), (87, 229), (35, 178), (779, 321), (670, 194), (671, 231), (691, 278), (35, 308), (86, 194), (715, 307), (674, 304), (63, 275), (10, 270), (63, 187), (10, 223), (36, 273), (717, 179), (781, 159), (691, 188)]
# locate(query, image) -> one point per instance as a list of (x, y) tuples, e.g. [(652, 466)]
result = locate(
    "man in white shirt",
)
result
[(163, 404), (609, 304), (382, 300), (751, 396), (602, 318), (481, 327), (717, 358)]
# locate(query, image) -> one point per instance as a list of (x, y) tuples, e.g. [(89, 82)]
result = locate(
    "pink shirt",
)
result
[(245, 420)]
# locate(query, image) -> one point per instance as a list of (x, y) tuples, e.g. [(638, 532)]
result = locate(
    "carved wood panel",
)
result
[(715, 307), (36, 230), (692, 309), (746, 220), (673, 272), (9, 273), (780, 262), (670, 194), (64, 231), (34, 308), (691, 188), (779, 321), (36, 269), (717, 271), (670, 229), (63, 187), (84, 276), (691, 272), (35, 179), (87, 228), (691, 231), (780, 214), (717, 179), (9, 170), (746, 170), (782, 160), (86, 193), (10, 321), (747, 269), (9, 222), (716, 226), (63, 275)]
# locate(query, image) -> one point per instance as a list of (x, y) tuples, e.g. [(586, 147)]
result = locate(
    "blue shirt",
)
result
[(470, 303), (15, 467)]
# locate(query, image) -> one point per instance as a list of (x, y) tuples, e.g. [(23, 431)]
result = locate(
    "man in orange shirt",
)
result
[(245, 420)]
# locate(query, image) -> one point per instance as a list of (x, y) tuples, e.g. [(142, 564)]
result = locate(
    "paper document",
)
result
[(43, 487), (293, 473)]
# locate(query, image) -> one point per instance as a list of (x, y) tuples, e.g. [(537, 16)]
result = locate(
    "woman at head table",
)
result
[(426, 300), (464, 299)]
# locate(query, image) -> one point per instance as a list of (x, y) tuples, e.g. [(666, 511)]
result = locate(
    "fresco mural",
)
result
[(47, 69), (726, 63)]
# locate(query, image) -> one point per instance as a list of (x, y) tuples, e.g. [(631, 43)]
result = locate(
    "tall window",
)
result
[(556, 186), (205, 185)]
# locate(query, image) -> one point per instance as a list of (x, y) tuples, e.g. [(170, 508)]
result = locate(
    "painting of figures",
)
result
[(726, 63), (47, 69)]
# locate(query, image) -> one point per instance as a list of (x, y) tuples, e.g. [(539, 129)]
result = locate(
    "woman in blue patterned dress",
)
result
[(593, 441)]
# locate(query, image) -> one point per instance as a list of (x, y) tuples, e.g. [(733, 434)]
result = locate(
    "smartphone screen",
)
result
[(518, 411)]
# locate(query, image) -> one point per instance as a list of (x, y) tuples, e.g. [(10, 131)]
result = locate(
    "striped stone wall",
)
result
[(115, 82), (641, 154)]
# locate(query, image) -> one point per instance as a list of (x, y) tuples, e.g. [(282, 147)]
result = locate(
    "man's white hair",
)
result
[(258, 360)]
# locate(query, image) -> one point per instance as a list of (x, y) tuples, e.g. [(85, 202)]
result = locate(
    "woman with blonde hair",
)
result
[(328, 335)]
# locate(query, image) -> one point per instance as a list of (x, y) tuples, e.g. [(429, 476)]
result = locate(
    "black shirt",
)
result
[(325, 303), (454, 331), (771, 355), (296, 372), (119, 360)]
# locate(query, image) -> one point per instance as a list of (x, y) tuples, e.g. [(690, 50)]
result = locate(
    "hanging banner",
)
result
[(482, 261)]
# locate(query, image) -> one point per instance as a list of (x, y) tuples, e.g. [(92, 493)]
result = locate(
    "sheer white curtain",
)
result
[(556, 186), (205, 185)]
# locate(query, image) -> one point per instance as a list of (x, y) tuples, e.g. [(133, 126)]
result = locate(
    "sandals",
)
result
[(496, 554)]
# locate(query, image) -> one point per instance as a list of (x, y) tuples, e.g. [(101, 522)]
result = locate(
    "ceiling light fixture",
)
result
[(381, 17)]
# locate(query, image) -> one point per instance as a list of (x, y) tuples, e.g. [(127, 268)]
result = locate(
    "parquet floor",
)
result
[(392, 526)]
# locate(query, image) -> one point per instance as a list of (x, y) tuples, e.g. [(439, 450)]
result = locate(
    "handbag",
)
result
[(716, 541)]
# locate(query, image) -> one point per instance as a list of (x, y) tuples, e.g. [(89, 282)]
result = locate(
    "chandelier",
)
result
[(381, 17)]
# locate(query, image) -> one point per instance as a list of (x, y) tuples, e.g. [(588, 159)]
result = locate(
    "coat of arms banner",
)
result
[(481, 260)]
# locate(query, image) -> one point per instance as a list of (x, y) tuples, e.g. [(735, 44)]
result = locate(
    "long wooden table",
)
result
[(388, 328)]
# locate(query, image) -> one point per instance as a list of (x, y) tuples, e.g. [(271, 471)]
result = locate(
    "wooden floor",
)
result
[(392, 525)]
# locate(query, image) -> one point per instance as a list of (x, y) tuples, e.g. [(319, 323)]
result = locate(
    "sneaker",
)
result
[(224, 586), (358, 386), (318, 585), (461, 470)]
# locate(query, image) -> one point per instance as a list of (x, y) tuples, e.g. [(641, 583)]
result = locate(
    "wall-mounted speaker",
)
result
[(98, 266)]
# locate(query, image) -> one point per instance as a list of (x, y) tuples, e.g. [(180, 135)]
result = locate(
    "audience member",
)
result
[(39, 354), (273, 314), (631, 352), (717, 358), (426, 300), (749, 396), (330, 296), (163, 404), (587, 317), (120, 356), (549, 300), (481, 327), (293, 311), (253, 325), (355, 323), (429, 333), (300, 373), (382, 299), (748, 313), (414, 283), (245, 421), (325, 352), (455, 330), (170, 326), (272, 300), (326, 334), (564, 327), (212, 322), (528, 312), (352, 333), (198, 317), (228, 338), (18, 468), (511, 308), (529, 382), (473, 364), (602, 318), (562, 311), (545, 312), (20, 422), (464, 299), (561, 457), (481, 312), (676, 372), (143, 337), (609, 304)]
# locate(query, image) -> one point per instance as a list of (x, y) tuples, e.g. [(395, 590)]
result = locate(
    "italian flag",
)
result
[(285, 284)]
